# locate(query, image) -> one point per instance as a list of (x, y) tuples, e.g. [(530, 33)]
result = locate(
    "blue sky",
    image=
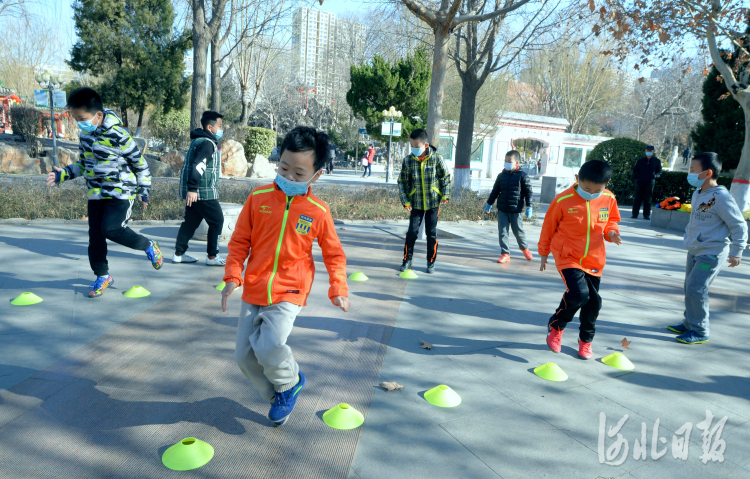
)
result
[(61, 13)]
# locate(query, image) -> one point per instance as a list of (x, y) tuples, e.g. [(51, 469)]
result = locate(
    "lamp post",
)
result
[(50, 82), (391, 114)]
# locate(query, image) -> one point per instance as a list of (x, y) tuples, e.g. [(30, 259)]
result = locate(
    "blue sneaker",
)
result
[(101, 283), (284, 402), (678, 328), (691, 337), (154, 255)]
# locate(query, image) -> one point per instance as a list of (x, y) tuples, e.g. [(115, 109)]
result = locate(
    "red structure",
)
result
[(7, 98)]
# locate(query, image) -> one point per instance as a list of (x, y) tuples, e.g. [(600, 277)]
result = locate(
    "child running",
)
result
[(717, 232), (576, 224), (280, 221), (512, 189), (115, 174)]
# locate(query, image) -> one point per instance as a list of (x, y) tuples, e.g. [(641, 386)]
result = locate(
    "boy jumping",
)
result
[(576, 225), (715, 219), (280, 221), (423, 184), (115, 174)]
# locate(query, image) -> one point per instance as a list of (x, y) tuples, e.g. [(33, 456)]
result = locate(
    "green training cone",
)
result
[(26, 299), (443, 396), (409, 274), (137, 292), (358, 276), (190, 453), (551, 372), (618, 361), (220, 286), (343, 416)]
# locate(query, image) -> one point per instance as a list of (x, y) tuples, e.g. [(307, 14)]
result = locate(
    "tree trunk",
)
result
[(462, 175), (216, 72), (140, 121), (124, 113), (437, 85), (198, 103), (741, 183), (245, 110)]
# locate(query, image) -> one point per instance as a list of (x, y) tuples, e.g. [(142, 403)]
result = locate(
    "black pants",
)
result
[(367, 169), (643, 192), (415, 219), (582, 293), (108, 220), (209, 210), (329, 167)]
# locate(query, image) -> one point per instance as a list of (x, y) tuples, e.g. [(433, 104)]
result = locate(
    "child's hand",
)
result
[(228, 288), (487, 208), (408, 208), (144, 201), (342, 302), (192, 197), (615, 237), (544, 263), (734, 261), (52, 177)]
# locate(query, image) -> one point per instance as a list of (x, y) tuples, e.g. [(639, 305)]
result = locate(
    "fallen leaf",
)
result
[(391, 386), (659, 235), (625, 343), (425, 344)]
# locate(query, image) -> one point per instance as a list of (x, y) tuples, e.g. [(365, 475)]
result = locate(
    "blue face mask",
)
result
[(292, 188), (586, 195), (649, 154), (416, 151), (87, 126), (693, 179), (219, 134)]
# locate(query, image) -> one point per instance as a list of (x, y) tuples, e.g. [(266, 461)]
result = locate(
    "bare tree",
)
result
[(27, 45)]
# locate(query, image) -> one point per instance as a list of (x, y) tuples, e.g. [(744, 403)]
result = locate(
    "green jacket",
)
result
[(201, 171), (423, 184)]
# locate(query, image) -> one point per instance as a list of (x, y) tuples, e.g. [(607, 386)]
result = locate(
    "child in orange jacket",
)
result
[(576, 225), (280, 222)]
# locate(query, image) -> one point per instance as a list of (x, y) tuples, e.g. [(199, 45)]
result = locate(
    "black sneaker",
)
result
[(406, 265), (430, 268)]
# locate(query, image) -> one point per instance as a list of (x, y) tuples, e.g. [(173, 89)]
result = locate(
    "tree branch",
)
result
[(487, 16)]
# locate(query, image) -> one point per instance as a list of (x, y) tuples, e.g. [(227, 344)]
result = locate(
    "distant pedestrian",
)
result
[(686, 156), (199, 187), (331, 158), (370, 159), (512, 189), (646, 170), (365, 165)]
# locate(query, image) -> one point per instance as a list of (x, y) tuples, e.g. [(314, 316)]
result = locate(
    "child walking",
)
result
[(115, 174), (715, 235), (280, 221), (199, 187), (576, 225), (512, 188), (423, 184)]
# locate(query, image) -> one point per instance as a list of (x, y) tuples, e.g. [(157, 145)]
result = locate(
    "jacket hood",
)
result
[(201, 133), (110, 120)]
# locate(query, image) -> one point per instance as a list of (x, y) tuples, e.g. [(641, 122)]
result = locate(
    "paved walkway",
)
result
[(100, 388)]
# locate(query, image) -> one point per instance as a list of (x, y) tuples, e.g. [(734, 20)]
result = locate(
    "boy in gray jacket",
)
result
[(716, 232)]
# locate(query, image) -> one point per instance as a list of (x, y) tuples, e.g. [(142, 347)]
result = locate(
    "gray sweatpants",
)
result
[(515, 222), (700, 272), (261, 351)]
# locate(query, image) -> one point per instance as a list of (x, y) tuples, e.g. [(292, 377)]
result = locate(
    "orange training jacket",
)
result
[(574, 230), (278, 233)]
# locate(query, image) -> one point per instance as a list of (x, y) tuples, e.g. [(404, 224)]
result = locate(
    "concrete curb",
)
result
[(60, 221)]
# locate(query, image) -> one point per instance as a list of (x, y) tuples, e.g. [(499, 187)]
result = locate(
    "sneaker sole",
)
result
[(692, 342), (584, 357), (676, 330), (280, 422)]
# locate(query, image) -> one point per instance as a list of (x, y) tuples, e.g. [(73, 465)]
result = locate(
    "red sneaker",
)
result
[(554, 338), (584, 350), (504, 258), (527, 254)]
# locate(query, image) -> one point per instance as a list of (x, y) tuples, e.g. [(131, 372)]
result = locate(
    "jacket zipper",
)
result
[(424, 194), (278, 249), (588, 230)]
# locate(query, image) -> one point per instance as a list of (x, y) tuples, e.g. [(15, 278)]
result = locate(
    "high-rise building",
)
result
[(323, 49)]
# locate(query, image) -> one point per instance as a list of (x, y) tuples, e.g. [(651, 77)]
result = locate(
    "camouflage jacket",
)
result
[(423, 183), (110, 162)]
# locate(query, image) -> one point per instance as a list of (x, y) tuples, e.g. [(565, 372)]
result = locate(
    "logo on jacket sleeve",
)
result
[(603, 214), (304, 224)]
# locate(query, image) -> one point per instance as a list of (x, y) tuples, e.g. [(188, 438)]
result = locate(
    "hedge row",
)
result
[(674, 183)]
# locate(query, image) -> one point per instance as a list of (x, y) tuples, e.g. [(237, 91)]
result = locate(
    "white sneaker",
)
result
[(185, 258), (217, 261)]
